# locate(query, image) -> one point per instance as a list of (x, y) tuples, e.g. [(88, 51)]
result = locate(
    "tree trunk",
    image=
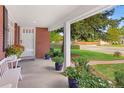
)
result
[(62, 48)]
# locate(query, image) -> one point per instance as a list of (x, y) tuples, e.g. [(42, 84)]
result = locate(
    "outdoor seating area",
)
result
[(70, 47), (30, 74), (10, 72)]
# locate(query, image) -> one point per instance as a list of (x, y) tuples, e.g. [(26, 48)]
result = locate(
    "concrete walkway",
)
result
[(41, 74), (106, 62)]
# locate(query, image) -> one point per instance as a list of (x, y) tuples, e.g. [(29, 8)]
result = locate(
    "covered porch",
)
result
[(35, 26), (39, 72)]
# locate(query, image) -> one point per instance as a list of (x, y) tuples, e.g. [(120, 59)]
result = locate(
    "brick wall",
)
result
[(16, 34), (42, 42), (1, 32), (86, 43)]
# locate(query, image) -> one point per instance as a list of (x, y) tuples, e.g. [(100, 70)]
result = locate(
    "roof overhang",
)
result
[(52, 16), (80, 14)]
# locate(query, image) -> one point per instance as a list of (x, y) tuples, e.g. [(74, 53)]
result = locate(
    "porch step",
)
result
[(27, 58)]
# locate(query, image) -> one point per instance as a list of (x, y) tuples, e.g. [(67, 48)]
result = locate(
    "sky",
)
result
[(118, 13)]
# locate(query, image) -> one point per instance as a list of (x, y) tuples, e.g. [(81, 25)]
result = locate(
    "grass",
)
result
[(108, 70), (91, 55), (116, 45)]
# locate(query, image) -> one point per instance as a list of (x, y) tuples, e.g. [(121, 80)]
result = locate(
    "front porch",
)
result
[(36, 40), (41, 74)]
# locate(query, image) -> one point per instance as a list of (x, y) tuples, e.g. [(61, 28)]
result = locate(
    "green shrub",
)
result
[(91, 81), (119, 78), (50, 53), (117, 54), (56, 45), (75, 47), (52, 49), (83, 75), (82, 62), (58, 59), (71, 72), (54, 53)]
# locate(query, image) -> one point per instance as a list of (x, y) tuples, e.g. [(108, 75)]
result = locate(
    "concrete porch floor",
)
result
[(41, 74)]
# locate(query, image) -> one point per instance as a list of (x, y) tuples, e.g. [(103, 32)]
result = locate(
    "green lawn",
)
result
[(91, 55), (115, 45), (108, 70)]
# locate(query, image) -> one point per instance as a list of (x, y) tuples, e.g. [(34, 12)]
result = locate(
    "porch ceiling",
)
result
[(52, 16)]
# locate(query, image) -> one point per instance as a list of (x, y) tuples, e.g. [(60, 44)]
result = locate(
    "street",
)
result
[(103, 49)]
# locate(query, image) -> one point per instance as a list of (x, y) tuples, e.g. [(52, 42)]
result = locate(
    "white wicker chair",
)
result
[(8, 76), (13, 63)]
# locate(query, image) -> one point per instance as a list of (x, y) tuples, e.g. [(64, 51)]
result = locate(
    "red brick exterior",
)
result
[(42, 42), (16, 34), (86, 43), (1, 33)]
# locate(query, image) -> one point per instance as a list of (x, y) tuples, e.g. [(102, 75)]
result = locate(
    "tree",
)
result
[(55, 36), (122, 30), (113, 34), (93, 27), (61, 30)]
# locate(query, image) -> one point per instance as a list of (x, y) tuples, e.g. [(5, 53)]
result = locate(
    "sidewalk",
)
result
[(106, 62)]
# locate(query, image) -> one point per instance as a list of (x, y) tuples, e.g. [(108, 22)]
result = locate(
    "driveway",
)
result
[(103, 49)]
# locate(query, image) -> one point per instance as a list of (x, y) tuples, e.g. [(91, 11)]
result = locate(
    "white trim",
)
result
[(10, 16), (11, 30), (67, 45)]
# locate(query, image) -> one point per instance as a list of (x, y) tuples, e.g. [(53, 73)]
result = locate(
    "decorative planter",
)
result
[(47, 57), (58, 66), (72, 83)]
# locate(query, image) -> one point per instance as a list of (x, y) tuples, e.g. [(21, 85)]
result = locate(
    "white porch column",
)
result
[(67, 45)]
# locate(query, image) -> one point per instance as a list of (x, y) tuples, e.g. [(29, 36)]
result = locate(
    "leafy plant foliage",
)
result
[(119, 78), (81, 72), (14, 50), (58, 59)]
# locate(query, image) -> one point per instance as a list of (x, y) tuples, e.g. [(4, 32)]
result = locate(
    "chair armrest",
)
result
[(6, 86), (11, 76), (19, 59)]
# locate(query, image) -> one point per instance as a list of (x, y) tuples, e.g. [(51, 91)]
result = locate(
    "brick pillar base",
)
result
[(2, 55)]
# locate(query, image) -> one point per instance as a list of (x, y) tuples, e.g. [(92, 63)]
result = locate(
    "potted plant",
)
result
[(74, 73), (80, 76), (58, 62), (15, 50), (85, 78), (71, 73), (48, 55)]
